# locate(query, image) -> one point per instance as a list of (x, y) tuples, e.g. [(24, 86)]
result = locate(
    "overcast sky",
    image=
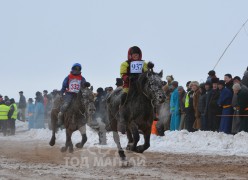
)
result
[(40, 40)]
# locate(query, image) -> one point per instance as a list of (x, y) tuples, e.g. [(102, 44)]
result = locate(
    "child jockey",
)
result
[(71, 86), (129, 71)]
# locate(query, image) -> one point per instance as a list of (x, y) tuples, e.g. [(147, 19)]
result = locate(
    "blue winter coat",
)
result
[(30, 116), (174, 109), (39, 116), (225, 101)]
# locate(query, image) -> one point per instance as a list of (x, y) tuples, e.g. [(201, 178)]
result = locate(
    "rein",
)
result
[(83, 104), (82, 113), (152, 100)]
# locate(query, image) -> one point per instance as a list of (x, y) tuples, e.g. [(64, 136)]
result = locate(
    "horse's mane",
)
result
[(76, 104), (138, 86)]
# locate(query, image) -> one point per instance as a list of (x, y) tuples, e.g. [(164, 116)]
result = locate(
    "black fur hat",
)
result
[(211, 73), (237, 78), (229, 75), (38, 93), (221, 82), (215, 80), (119, 82), (99, 90), (208, 83), (188, 83), (202, 85), (12, 100)]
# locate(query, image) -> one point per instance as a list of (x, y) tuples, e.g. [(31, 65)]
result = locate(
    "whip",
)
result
[(230, 43)]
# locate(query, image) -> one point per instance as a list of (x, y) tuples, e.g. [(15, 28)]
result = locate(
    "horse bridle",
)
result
[(84, 104), (151, 90)]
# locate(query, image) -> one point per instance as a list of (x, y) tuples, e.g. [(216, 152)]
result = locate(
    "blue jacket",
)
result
[(225, 97), (39, 116), (174, 102), (65, 84)]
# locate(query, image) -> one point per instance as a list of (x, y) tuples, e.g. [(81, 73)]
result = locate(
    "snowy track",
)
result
[(178, 155)]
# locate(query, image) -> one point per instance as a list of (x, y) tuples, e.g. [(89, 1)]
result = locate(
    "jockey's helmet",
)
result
[(76, 66)]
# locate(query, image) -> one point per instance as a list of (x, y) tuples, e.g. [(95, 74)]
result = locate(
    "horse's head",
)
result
[(87, 99), (152, 86)]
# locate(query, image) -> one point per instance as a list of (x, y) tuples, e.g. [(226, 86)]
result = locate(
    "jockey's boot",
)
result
[(122, 122), (60, 119)]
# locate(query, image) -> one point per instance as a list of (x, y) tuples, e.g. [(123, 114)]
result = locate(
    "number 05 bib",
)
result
[(136, 66)]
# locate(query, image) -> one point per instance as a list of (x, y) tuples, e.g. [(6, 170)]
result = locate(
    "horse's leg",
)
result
[(68, 143), (84, 137), (136, 136), (130, 139), (146, 145), (54, 127), (117, 142), (117, 137), (102, 134)]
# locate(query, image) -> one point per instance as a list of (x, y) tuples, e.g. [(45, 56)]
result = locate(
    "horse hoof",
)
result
[(71, 150), (63, 149), (122, 155), (52, 142), (124, 163), (133, 149), (139, 149), (79, 145), (128, 148), (123, 159)]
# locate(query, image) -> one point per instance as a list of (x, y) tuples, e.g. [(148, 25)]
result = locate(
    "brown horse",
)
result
[(78, 114)]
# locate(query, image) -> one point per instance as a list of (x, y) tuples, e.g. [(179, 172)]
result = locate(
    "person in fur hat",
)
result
[(211, 75), (225, 102), (202, 105), (228, 81), (174, 107), (196, 96), (212, 108), (242, 98), (245, 78), (119, 82)]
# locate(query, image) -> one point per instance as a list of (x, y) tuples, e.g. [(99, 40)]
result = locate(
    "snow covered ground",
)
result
[(200, 142)]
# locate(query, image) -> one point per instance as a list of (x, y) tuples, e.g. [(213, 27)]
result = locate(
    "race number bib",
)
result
[(74, 85), (136, 66)]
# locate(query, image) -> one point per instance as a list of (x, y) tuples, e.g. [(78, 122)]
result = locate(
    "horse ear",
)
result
[(161, 73), (91, 88), (149, 73), (86, 85)]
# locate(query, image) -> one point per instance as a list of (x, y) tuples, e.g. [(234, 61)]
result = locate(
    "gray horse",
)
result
[(78, 114), (144, 94)]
